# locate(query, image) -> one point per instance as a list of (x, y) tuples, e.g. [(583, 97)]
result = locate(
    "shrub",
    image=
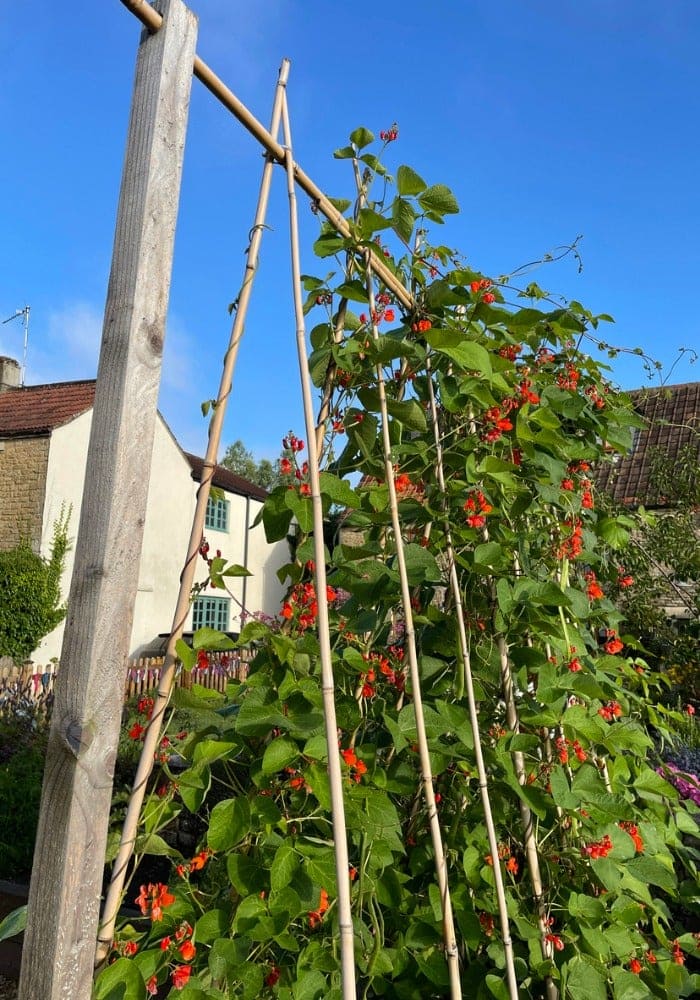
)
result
[(31, 593)]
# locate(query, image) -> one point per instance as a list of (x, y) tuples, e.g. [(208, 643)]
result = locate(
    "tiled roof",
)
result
[(37, 409), (226, 480), (673, 415)]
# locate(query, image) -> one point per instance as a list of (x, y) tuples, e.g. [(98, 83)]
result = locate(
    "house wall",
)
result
[(23, 463), (169, 513)]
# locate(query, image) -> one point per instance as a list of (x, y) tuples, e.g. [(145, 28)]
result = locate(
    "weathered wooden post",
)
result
[(64, 897)]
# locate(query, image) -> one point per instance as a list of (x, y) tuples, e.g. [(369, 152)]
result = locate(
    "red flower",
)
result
[(181, 976), (349, 756), (137, 731), (130, 948), (273, 976), (567, 484), (690, 709), (165, 943), (635, 966), (287, 610), (285, 466), (305, 490), (574, 665), (476, 521), (633, 831), (625, 581), (677, 955), (187, 950), (555, 940), (612, 710), (489, 297), (389, 315), (512, 866), (315, 916), (152, 986), (154, 897), (594, 591), (613, 644)]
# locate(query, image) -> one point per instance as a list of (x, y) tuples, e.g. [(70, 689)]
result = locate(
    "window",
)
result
[(211, 612), (217, 514)]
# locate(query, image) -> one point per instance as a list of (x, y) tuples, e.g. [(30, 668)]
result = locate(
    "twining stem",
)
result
[(458, 607), (167, 677), (342, 866), (451, 950)]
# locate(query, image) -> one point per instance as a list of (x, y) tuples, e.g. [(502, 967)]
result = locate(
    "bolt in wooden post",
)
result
[(66, 882)]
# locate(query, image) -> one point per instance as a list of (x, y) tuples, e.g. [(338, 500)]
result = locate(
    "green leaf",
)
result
[(408, 181), (497, 987), (213, 924), (420, 565), (466, 353), (403, 218), (371, 222), (345, 153), (438, 199), (120, 981), (310, 986), (246, 875), (186, 654), (284, 865), (276, 515), (302, 508), (279, 754), (361, 137), (584, 982), (211, 638), (489, 554), (229, 824), (354, 290), (14, 923), (627, 986), (338, 490)]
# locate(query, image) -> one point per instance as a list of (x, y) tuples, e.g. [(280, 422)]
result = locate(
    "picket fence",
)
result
[(31, 683)]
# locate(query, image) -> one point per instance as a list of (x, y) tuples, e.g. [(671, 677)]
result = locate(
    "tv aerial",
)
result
[(24, 313)]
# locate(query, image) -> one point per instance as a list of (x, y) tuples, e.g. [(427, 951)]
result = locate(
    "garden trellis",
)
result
[(474, 509), (57, 954)]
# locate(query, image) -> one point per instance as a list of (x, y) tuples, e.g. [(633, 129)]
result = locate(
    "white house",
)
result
[(44, 433)]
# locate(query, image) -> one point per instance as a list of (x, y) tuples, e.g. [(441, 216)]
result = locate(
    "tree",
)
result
[(241, 460), (31, 593)]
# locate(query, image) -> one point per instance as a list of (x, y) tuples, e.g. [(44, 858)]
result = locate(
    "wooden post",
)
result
[(64, 896)]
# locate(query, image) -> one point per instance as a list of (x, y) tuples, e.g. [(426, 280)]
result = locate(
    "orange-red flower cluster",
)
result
[(610, 711), (153, 898), (633, 831), (316, 916), (568, 379), (477, 508), (612, 644), (593, 589), (357, 766), (496, 422), (597, 848), (571, 545), (510, 351), (196, 864), (303, 604)]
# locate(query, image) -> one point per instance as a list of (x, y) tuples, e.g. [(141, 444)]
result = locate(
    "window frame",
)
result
[(211, 612), (217, 516)]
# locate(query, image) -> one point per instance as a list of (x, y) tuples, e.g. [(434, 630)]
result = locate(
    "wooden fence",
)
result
[(32, 684)]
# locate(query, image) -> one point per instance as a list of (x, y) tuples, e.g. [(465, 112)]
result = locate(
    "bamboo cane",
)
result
[(451, 950), (471, 701), (530, 841), (347, 957), (152, 736)]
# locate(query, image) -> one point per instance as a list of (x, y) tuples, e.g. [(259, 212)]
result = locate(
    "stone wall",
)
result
[(23, 463)]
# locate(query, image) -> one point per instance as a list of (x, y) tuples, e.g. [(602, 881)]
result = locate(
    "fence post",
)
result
[(59, 946)]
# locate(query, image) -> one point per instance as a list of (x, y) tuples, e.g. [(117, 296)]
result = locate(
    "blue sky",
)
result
[(548, 119)]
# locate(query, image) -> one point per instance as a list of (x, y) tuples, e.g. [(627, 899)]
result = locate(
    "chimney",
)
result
[(10, 372)]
